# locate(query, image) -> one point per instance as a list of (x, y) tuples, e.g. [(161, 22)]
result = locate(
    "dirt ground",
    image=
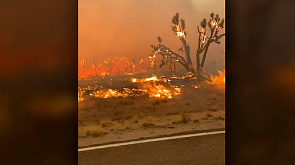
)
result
[(118, 119)]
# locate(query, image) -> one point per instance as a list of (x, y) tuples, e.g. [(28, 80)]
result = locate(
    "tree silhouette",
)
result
[(215, 25)]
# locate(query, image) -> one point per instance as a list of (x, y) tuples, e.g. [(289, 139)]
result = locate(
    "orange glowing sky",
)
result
[(109, 28)]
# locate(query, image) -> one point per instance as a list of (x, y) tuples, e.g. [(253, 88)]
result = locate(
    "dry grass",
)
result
[(220, 118), (182, 118), (117, 127), (148, 125), (103, 116), (196, 121), (209, 115), (93, 131), (118, 109)]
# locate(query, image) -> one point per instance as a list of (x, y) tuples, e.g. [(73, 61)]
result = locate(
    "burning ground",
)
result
[(124, 108)]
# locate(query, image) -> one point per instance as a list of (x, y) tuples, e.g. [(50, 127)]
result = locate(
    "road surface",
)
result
[(197, 150)]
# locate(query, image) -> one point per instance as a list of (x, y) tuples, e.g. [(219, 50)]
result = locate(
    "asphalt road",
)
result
[(201, 150)]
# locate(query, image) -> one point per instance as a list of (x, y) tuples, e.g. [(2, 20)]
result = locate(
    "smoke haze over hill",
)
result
[(109, 28)]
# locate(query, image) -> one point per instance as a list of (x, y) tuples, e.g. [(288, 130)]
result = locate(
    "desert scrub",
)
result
[(95, 131), (118, 126), (105, 123), (157, 102), (196, 120), (148, 125), (205, 118), (125, 102), (209, 115), (164, 100), (220, 118), (184, 118), (81, 134), (172, 113), (129, 117)]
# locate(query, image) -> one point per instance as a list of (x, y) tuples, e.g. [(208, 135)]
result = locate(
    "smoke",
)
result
[(114, 28)]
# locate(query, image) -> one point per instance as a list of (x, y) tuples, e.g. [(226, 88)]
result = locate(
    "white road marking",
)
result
[(149, 140)]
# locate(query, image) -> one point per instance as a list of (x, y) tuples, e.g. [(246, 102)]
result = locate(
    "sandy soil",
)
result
[(120, 119)]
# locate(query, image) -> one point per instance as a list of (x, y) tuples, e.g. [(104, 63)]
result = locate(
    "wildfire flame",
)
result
[(160, 91), (113, 66), (153, 78), (148, 86), (179, 32), (81, 63), (213, 23), (153, 60), (153, 86), (218, 81), (157, 90)]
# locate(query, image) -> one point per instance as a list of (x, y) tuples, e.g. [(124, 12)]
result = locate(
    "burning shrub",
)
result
[(218, 81), (151, 86)]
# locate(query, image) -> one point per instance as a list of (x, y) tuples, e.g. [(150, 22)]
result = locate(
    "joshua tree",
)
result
[(215, 24), (82, 65), (169, 56), (141, 62), (95, 67)]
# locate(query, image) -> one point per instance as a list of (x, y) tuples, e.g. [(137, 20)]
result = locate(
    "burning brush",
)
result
[(151, 86), (218, 81)]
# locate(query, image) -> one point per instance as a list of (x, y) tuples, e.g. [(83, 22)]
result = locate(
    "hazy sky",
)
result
[(109, 28)]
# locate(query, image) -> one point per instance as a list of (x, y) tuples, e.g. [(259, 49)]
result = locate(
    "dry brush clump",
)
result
[(93, 131), (196, 120), (119, 127), (220, 118), (182, 118), (209, 115), (148, 125)]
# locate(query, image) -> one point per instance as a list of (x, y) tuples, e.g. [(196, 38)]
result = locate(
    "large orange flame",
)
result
[(218, 81)]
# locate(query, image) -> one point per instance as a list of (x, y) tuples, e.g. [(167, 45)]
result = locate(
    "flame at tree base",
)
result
[(218, 81), (152, 87)]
